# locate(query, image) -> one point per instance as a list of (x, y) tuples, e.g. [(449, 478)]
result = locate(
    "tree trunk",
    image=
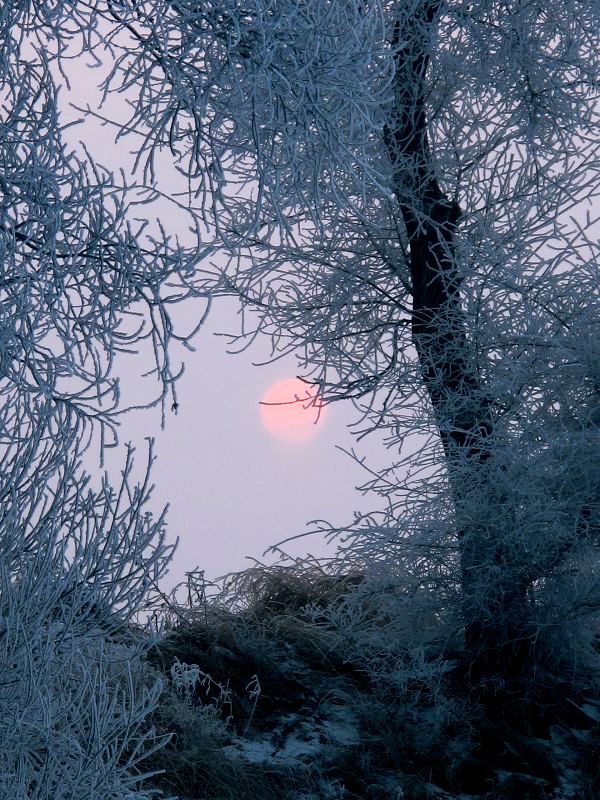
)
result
[(496, 608)]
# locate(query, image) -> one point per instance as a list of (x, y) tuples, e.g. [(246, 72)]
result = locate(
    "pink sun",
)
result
[(289, 412)]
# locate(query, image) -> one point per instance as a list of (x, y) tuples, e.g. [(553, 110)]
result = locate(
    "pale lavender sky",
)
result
[(232, 487)]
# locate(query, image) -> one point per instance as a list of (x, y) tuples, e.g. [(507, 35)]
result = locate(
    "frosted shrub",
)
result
[(74, 693), (185, 679), (198, 729), (384, 616), (67, 722)]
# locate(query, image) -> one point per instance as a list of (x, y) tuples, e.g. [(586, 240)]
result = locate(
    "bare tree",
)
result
[(405, 190)]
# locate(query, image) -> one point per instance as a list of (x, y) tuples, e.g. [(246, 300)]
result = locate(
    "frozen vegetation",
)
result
[(400, 194), (298, 682)]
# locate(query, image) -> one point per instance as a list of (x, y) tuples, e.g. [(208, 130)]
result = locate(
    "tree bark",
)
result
[(496, 607)]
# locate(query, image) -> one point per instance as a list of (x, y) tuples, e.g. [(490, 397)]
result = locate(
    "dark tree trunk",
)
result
[(495, 584)]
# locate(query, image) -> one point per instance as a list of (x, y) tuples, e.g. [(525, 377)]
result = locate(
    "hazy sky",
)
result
[(233, 488)]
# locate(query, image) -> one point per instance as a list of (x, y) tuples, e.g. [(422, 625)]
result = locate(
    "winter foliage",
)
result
[(402, 194), (74, 562)]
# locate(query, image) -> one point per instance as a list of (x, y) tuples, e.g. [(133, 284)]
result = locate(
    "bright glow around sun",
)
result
[(288, 411)]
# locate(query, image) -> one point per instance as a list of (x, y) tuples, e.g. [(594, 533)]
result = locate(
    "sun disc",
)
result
[(289, 413)]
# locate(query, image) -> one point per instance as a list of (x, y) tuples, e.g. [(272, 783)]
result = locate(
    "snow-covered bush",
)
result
[(74, 691)]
